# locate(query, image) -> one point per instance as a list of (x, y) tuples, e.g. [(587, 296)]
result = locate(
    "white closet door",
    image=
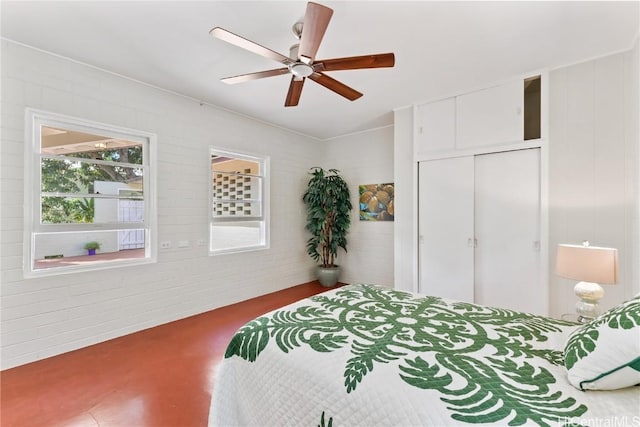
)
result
[(446, 227), (507, 228)]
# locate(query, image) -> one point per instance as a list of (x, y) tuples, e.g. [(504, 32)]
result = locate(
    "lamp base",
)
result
[(590, 294)]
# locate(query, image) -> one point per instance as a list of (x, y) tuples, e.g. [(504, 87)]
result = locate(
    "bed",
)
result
[(364, 355)]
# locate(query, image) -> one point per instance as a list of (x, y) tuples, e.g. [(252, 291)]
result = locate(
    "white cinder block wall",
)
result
[(46, 316), (364, 158), (593, 169)]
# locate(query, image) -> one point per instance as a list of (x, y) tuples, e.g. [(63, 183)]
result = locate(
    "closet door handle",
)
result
[(472, 242)]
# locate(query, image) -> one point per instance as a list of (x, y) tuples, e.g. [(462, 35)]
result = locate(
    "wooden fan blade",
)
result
[(356, 62), (239, 41), (295, 89), (334, 85), (254, 76), (316, 20)]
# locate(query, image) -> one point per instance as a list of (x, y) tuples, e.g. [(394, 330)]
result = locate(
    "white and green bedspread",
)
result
[(364, 355)]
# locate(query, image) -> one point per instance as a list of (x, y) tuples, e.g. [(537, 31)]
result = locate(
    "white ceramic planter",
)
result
[(328, 276)]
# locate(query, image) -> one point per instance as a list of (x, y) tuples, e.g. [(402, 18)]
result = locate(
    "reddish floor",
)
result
[(158, 377)]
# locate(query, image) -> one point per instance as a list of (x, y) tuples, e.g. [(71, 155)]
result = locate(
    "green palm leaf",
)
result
[(581, 343), (625, 316), (306, 325), (364, 356), (250, 340), (494, 392), (329, 423)]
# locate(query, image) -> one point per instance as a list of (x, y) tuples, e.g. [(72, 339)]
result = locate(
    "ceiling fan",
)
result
[(301, 62)]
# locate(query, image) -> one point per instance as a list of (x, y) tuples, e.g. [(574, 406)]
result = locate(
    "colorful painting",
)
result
[(376, 202)]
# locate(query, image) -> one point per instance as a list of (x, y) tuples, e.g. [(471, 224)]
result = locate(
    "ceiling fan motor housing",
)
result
[(298, 68)]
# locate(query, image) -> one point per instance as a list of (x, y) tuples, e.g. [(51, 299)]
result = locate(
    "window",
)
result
[(88, 185), (239, 202)]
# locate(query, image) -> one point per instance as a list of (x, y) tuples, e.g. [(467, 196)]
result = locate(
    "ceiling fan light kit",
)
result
[(301, 63), (300, 69)]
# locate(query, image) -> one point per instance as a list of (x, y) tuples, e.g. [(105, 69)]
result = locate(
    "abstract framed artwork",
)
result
[(376, 202)]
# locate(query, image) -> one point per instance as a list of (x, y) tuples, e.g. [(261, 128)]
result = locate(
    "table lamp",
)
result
[(590, 265)]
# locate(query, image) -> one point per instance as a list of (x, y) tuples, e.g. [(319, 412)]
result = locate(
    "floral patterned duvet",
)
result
[(365, 355)]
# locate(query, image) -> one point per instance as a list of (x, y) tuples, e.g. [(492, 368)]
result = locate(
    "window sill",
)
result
[(238, 250), (79, 266)]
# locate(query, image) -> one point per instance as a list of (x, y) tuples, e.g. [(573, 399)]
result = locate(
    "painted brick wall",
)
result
[(365, 158), (47, 316)]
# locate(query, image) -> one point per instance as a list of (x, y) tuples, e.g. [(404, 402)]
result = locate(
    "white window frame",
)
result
[(34, 120), (264, 162)]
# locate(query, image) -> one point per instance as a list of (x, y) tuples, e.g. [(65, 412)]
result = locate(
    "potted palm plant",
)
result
[(328, 218)]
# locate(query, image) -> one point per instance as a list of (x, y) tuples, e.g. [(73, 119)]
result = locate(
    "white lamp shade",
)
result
[(587, 263)]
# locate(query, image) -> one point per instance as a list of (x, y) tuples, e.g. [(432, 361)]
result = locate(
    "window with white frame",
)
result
[(89, 188), (239, 202)]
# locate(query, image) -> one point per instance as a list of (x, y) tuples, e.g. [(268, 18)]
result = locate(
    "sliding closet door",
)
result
[(446, 228), (507, 229)]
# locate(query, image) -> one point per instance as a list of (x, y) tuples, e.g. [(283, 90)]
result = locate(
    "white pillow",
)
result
[(604, 354)]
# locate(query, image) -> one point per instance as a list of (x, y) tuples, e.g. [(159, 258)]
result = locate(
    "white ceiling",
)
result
[(440, 48)]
